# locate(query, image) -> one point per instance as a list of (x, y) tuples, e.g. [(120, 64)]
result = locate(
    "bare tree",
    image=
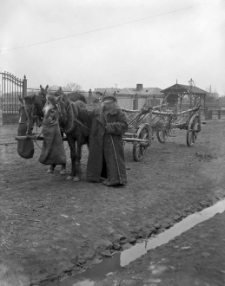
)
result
[(71, 87)]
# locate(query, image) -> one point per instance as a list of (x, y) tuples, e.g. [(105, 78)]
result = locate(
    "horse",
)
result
[(31, 112), (42, 99), (61, 108)]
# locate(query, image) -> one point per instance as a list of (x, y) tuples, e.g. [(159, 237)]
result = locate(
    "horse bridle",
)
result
[(30, 119), (59, 110)]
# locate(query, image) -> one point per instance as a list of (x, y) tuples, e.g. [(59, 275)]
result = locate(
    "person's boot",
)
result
[(106, 182)]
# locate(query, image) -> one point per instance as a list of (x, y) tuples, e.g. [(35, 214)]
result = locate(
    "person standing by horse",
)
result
[(106, 152)]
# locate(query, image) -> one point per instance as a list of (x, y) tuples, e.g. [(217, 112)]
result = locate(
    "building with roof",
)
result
[(101, 91), (175, 94), (134, 98)]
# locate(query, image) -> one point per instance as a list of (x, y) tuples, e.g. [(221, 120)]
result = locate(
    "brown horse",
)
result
[(31, 112), (77, 133)]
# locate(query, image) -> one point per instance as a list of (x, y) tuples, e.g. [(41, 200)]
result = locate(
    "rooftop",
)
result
[(146, 91), (181, 88)]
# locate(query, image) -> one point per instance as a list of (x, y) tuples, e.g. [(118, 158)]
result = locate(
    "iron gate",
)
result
[(12, 88)]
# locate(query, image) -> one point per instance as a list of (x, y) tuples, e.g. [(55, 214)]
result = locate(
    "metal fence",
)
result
[(12, 88)]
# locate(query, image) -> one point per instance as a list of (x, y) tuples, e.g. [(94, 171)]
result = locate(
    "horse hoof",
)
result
[(50, 171), (63, 172), (69, 178), (76, 179)]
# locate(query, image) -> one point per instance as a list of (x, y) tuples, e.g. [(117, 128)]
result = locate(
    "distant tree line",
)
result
[(69, 87)]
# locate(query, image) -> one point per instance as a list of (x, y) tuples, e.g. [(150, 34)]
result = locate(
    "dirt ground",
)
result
[(195, 258), (50, 226)]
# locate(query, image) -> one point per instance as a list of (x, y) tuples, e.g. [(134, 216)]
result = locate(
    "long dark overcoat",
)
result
[(101, 147)]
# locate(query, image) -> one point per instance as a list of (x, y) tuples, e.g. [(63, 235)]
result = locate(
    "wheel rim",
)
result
[(192, 138), (193, 133), (144, 133), (162, 135), (138, 149)]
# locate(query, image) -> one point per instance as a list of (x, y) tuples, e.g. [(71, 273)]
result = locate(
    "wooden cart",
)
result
[(189, 120), (141, 128), (144, 124)]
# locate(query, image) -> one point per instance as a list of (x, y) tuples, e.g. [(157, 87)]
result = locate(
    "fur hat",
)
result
[(108, 97)]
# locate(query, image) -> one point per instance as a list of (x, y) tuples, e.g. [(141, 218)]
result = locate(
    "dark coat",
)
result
[(101, 146)]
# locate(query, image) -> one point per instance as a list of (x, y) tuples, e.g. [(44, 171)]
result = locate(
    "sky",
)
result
[(156, 51)]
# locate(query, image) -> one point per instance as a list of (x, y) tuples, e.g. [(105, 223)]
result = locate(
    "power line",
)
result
[(100, 29)]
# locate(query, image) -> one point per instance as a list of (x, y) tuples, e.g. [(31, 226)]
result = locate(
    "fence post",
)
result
[(24, 87), (210, 114), (219, 114), (150, 126), (206, 112), (200, 118), (90, 97), (1, 100), (191, 101)]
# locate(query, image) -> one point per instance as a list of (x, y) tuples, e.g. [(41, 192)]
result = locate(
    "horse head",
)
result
[(31, 111), (43, 91), (59, 92), (27, 115), (55, 109)]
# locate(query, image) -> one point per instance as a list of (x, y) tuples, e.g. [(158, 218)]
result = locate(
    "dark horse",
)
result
[(31, 112), (77, 132)]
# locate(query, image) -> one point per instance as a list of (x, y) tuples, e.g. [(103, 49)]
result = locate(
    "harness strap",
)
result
[(67, 129), (79, 122)]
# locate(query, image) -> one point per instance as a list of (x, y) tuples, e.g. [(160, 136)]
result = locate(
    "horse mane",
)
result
[(79, 103), (73, 96), (76, 96)]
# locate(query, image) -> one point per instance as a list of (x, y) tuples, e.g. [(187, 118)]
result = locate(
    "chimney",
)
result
[(139, 86)]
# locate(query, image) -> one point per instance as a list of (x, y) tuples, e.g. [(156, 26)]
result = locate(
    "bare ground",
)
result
[(195, 258), (49, 226)]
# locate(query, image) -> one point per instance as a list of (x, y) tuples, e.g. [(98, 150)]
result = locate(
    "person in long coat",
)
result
[(106, 152)]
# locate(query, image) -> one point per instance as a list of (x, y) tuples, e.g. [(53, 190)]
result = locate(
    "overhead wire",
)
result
[(99, 29)]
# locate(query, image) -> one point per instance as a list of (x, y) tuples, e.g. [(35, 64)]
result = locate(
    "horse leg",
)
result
[(78, 167), (51, 169), (72, 146), (63, 167)]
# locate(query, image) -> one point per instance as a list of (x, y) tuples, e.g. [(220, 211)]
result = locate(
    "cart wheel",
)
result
[(138, 149), (162, 135), (192, 132)]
